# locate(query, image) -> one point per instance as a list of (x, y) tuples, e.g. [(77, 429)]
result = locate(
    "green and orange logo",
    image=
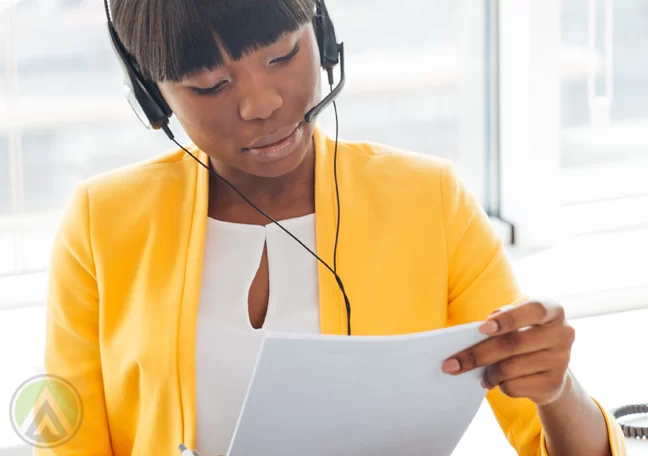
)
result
[(46, 411)]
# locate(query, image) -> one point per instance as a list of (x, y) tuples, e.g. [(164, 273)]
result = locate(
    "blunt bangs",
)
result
[(170, 39)]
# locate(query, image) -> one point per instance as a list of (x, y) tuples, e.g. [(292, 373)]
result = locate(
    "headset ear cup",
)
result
[(144, 97), (326, 38), (154, 90)]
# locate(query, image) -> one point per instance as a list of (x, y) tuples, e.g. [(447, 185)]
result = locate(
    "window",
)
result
[(417, 79), (63, 118), (604, 161), (573, 177), (560, 66)]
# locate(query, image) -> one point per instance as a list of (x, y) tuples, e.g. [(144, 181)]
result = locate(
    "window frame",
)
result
[(545, 202)]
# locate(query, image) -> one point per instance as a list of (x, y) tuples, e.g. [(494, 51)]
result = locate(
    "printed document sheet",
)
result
[(358, 396)]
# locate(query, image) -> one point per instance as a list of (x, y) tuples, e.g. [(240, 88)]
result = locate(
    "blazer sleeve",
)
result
[(481, 280), (72, 328)]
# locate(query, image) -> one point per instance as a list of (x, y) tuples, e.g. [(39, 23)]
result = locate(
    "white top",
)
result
[(226, 343)]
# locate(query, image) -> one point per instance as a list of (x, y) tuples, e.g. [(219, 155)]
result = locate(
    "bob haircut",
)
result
[(170, 39)]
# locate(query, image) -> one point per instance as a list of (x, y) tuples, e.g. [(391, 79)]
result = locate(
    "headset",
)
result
[(149, 105)]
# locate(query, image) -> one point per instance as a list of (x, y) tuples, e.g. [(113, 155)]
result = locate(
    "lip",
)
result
[(276, 146)]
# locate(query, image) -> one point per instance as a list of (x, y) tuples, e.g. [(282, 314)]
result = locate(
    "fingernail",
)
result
[(489, 327), (451, 366), (483, 384)]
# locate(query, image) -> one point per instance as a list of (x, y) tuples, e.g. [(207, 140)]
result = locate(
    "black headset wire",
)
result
[(333, 270), (347, 304), (337, 190)]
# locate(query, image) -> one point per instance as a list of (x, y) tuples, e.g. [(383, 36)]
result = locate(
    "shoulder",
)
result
[(145, 189), (367, 162), (379, 157), (143, 176), (123, 201), (407, 181)]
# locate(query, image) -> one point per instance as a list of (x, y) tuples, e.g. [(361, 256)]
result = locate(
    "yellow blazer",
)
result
[(416, 252)]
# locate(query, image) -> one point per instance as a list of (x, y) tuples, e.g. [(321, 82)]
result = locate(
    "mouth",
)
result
[(276, 146)]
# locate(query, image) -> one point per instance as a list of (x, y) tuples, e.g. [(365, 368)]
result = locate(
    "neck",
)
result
[(287, 196)]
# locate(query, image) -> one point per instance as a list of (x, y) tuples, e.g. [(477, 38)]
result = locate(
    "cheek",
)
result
[(204, 116), (301, 86), (315, 74), (303, 89), (203, 121)]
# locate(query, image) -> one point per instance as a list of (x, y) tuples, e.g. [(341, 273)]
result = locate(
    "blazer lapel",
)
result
[(332, 311), (197, 180)]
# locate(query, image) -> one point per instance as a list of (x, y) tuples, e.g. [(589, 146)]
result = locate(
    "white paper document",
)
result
[(358, 396)]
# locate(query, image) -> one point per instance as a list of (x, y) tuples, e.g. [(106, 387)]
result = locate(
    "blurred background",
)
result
[(542, 104)]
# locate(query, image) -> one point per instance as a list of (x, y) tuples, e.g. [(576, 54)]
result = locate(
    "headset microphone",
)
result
[(330, 98), (150, 107)]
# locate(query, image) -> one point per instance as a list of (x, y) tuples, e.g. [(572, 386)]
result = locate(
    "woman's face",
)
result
[(249, 114)]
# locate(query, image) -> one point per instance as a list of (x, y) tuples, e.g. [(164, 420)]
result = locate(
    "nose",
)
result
[(259, 100)]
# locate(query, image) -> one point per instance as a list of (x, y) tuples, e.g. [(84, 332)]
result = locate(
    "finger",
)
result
[(530, 313), (541, 388), (498, 348), (525, 365)]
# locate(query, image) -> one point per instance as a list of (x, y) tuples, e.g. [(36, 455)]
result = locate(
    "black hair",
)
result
[(169, 39)]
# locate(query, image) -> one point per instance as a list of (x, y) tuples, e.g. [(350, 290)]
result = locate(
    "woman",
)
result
[(162, 275)]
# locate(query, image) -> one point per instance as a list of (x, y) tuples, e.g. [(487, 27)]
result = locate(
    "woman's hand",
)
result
[(528, 354)]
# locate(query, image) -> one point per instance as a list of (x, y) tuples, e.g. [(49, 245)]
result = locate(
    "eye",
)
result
[(288, 57), (209, 90)]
